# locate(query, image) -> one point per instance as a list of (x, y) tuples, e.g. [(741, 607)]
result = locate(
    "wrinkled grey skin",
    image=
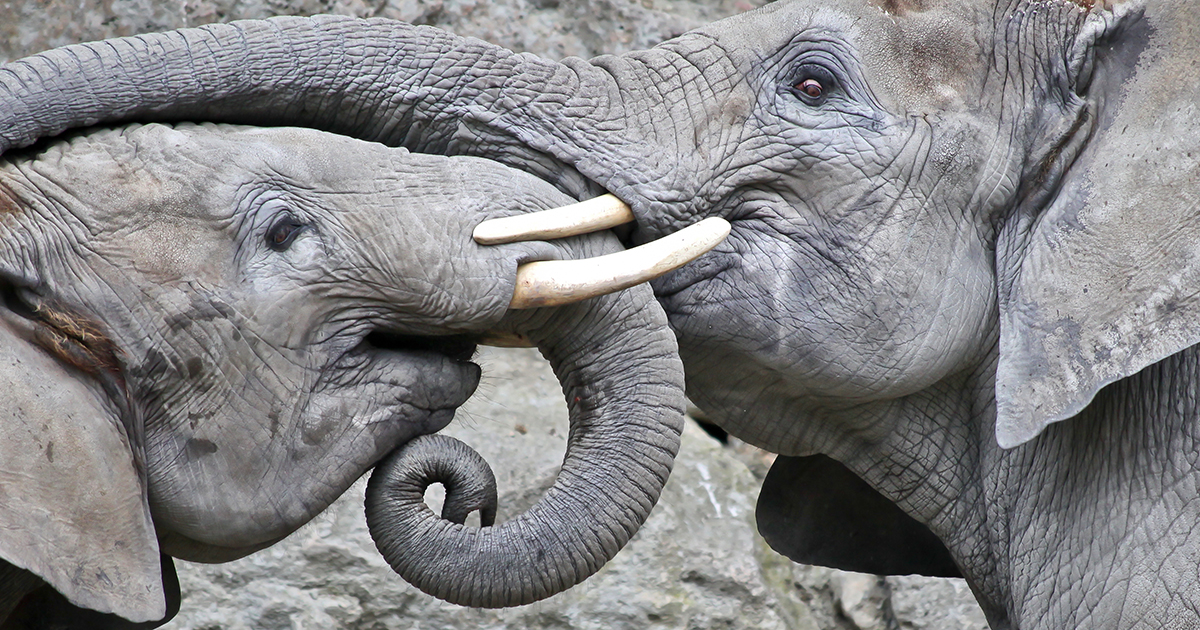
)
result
[(176, 379), (934, 267)]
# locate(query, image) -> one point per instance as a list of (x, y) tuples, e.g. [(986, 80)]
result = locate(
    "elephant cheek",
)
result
[(235, 483), (391, 402)]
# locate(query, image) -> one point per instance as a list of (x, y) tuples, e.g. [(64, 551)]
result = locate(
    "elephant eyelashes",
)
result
[(283, 232)]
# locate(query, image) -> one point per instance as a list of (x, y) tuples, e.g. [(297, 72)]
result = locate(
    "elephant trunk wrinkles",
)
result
[(274, 72), (623, 385), (430, 91)]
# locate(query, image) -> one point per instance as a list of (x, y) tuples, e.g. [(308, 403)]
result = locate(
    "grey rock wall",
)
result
[(552, 28), (696, 564)]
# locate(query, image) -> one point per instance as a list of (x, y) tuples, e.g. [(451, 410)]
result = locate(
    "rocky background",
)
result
[(697, 564)]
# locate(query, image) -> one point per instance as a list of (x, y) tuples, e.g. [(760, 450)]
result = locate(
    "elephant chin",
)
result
[(618, 365), (179, 546)]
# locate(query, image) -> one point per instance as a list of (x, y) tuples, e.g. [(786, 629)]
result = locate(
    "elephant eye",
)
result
[(283, 232), (812, 84), (811, 87)]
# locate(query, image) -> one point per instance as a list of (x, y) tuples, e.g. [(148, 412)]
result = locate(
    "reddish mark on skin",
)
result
[(78, 341), (1106, 5), (8, 205), (1088, 5)]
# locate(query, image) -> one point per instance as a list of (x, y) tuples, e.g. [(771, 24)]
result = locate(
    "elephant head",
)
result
[(209, 333), (954, 223)]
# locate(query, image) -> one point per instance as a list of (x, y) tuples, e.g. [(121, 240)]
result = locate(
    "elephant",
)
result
[(959, 294), (210, 331)]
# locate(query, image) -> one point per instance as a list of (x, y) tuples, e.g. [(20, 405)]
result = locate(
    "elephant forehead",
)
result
[(199, 169), (433, 194), (171, 251), (914, 57), (298, 155), (154, 217), (923, 60)]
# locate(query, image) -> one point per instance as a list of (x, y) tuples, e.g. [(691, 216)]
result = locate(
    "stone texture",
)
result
[(553, 28), (697, 563), (921, 603)]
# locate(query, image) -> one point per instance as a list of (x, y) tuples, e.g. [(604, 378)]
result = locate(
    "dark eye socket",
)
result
[(283, 232), (812, 83)]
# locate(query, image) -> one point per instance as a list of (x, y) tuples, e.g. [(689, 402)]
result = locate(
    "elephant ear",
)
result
[(73, 507), (1106, 279), (815, 511)]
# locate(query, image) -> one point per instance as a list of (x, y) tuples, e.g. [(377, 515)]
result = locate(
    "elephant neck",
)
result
[(1056, 532), (1093, 518), (933, 455)]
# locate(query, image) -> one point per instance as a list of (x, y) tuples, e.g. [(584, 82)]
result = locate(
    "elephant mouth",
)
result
[(459, 348)]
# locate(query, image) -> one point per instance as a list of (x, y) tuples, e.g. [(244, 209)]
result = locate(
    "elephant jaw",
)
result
[(554, 283)]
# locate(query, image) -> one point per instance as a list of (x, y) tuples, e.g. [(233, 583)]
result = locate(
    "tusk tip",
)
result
[(596, 214), (486, 234), (551, 283)]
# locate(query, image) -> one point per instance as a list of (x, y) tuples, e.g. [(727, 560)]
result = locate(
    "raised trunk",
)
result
[(374, 79), (622, 122), (615, 358)]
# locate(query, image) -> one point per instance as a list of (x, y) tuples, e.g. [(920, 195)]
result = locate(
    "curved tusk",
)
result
[(599, 213), (555, 282)]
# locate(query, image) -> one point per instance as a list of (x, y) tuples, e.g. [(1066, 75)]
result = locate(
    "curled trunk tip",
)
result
[(407, 473)]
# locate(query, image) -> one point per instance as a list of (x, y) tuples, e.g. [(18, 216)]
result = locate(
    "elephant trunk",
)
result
[(616, 360), (307, 72), (623, 122)]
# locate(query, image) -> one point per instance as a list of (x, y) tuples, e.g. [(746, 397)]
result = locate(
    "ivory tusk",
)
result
[(555, 282), (599, 213)]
